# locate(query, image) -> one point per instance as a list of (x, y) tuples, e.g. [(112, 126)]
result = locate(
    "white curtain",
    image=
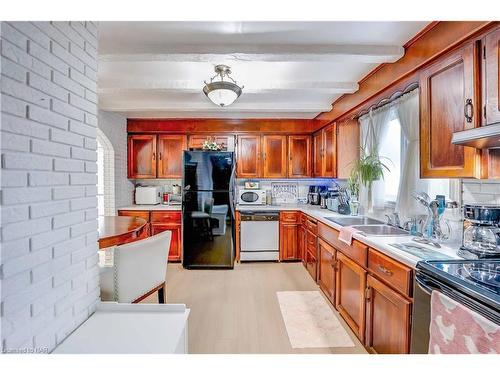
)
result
[(407, 109), (374, 126)]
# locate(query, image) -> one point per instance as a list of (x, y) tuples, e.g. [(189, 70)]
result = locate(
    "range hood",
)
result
[(484, 137)]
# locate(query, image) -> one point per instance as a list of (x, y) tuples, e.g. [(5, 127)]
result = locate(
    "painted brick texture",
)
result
[(48, 259)]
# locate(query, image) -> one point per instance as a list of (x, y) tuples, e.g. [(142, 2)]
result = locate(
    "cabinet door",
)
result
[(492, 73), (350, 294), (170, 149), (301, 243), (249, 156), (288, 241), (317, 154), (448, 103), (347, 147), (311, 262), (387, 319), (329, 151), (327, 269), (225, 141), (174, 255), (142, 156), (275, 155), (299, 156)]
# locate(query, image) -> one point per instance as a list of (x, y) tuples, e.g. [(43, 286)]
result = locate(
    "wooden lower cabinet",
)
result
[(301, 242), (289, 224), (174, 255), (327, 269), (311, 262), (350, 294), (160, 221), (388, 319)]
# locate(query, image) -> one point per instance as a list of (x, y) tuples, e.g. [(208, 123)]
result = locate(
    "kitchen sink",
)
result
[(353, 220), (381, 230)]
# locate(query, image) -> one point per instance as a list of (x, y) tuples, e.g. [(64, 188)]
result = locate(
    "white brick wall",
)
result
[(114, 127), (49, 275)]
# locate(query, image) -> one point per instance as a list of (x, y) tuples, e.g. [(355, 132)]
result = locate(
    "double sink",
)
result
[(369, 226)]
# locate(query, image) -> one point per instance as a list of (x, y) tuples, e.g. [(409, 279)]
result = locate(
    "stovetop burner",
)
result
[(484, 273)]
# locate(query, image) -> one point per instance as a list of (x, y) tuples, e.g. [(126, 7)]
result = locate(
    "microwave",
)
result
[(247, 196), (147, 195)]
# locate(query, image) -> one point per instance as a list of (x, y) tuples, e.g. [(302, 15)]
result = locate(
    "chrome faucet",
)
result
[(393, 220)]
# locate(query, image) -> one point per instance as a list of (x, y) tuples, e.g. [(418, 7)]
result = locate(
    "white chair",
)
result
[(139, 269)]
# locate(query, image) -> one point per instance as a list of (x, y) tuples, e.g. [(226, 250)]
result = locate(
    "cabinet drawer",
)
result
[(303, 220), (289, 216), (143, 214), (312, 225), (165, 216), (357, 251), (311, 238), (392, 272)]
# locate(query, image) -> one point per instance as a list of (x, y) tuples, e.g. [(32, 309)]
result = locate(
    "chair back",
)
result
[(140, 266)]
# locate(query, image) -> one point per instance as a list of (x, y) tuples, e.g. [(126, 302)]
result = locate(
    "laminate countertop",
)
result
[(380, 243), (152, 207)]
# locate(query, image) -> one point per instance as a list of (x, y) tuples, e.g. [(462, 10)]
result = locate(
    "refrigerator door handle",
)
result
[(231, 190)]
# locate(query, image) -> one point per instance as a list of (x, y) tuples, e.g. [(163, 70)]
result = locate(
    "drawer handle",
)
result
[(388, 272)]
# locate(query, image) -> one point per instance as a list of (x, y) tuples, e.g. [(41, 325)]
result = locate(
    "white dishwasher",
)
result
[(259, 236)]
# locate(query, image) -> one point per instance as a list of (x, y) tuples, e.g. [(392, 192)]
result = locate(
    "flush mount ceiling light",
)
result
[(220, 92)]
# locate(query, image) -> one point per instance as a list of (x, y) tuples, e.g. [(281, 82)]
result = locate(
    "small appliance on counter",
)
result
[(481, 237), (148, 195), (314, 195), (251, 196)]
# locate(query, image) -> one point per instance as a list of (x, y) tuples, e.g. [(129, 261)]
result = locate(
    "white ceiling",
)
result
[(288, 69)]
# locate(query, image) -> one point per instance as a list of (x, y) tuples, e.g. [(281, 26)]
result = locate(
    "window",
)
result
[(390, 151), (105, 176)]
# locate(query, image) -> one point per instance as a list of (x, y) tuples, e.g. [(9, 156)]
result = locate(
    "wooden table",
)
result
[(118, 230)]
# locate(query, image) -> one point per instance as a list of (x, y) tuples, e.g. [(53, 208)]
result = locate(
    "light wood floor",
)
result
[(237, 311)]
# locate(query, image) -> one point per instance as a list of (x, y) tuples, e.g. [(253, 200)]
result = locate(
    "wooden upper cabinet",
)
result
[(329, 167), (142, 156), (347, 147), (249, 156), (350, 294), (449, 103), (226, 141), (275, 156), (388, 320), (170, 150), (317, 154), (299, 156), (491, 76)]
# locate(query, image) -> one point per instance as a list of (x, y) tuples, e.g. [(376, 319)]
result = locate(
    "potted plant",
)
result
[(368, 168)]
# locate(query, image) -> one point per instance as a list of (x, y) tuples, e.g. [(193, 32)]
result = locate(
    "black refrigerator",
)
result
[(208, 209)]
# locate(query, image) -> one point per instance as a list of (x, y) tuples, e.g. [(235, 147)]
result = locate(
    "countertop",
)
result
[(381, 243), (152, 207)]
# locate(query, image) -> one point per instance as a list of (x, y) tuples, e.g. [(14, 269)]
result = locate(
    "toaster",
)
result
[(147, 195)]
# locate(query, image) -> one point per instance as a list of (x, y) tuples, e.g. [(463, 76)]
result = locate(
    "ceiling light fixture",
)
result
[(220, 92)]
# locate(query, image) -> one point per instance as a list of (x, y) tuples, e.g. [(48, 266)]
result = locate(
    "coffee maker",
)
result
[(481, 237), (314, 196)]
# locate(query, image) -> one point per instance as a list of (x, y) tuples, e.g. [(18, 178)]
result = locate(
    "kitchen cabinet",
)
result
[(225, 141), (350, 294), (289, 224), (249, 156), (324, 152), (170, 151), (301, 238), (160, 221), (388, 319), (317, 154), (142, 156), (311, 250), (311, 262), (491, 80), (449, 103), (274, 148), (327, 269), (347, 147), (299, 156)]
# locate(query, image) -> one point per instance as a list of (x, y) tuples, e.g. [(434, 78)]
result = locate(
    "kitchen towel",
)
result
[(346, 233), (310, 321), (456, 329)]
